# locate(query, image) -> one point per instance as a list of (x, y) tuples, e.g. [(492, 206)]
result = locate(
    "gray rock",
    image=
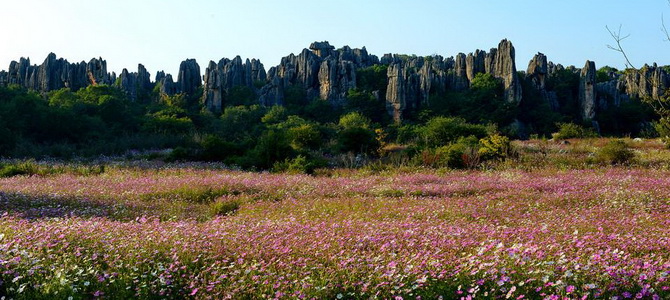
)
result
[(322, 49), (189, 79), (322, 72), (587, 91), (221, 78), (649, 81), (475, 63), (460, 80), (537, 71), (505, 69), (96, 71), (136, 85)]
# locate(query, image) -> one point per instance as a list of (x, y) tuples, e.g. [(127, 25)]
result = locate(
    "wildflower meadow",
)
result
[(207, 233)]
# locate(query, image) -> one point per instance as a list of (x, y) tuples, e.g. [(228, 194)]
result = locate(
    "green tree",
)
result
[(441, 131), (356, 135)]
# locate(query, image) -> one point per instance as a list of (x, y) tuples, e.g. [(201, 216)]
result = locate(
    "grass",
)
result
[(554, 222)]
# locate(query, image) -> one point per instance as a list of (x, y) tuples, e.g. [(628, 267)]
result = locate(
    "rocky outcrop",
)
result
[(166, 84), (189, 79), (96, 71), (537, 73), (136, 85), (587, 91), (460, 81), (221, 78), (475, 63), (412, 80), (505, 69), (336, 77), (649, 81), (321, 71), (57, 73)]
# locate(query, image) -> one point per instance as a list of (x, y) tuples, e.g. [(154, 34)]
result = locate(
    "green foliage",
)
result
[(168, 121), (373, 78), (321, 111), (272, 146), (241, 122), (627, 119), (662, 127), (305, 137), (356, 135), (295, 98), (299, 165), (366, 104), (224, 207), (214, 148), (357, 140), (572, 131), (354, 120), (495, 147), (457, 155), (615, 152), (177, 101), (485, 102), (31, 167), (565, 83), (440, 131), (603, 74), (241, 95), (275, 115)]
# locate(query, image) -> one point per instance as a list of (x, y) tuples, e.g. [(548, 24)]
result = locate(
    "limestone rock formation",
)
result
[(56, 73), (505, 69), (135, 84), (189, 79), (587, 91), (221, 78), (537, 71), (322, 72), (475, 63), (412, 80), (460, 80), (96, 71), (649, 81)]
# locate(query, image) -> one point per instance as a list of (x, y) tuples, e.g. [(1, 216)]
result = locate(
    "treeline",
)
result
[(456, 129)]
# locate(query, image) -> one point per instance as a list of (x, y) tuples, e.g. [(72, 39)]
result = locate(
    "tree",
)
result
[(660, 105)]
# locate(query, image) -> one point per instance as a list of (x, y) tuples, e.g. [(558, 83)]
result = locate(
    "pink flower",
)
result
[(570, 288), (193, 292)]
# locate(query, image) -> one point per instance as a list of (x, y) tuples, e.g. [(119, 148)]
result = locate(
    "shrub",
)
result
[(298, 165), (214, 148), (571, 131), (615, 152), (440, 131), (495, 147)]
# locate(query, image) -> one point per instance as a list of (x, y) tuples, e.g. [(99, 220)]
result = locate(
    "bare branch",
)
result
[(665, 29), (618, 38)]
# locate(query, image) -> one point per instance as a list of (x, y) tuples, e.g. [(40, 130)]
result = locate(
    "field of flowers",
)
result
[(175, 233)]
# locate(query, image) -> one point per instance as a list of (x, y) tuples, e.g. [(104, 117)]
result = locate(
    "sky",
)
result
[(162, 33)]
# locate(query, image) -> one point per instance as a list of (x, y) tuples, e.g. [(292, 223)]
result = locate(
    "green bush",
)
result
[(495, 147), (214, 148), (440, 131), (298, 165), (615, 152), (572, 131)]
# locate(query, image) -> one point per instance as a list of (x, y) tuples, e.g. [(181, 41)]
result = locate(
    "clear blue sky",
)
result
[(162, 33)]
